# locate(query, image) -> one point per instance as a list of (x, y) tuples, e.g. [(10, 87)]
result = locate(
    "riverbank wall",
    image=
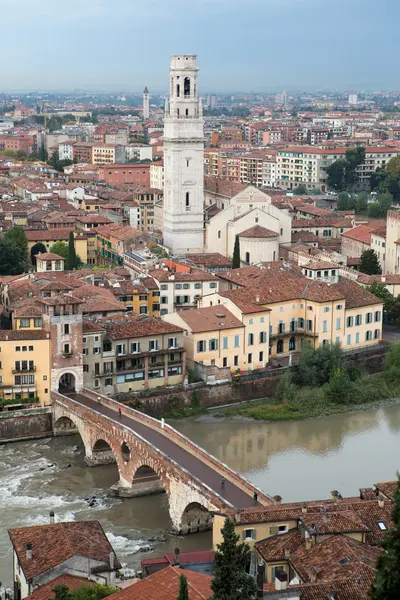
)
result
[(26, 424), (260, 384)]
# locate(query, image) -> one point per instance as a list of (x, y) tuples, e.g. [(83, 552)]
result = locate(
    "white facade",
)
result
[(157, 176), (65, 151), (179, 295), (248, 208), (269, 173), (146, 104), (138, 152), (183, 159)]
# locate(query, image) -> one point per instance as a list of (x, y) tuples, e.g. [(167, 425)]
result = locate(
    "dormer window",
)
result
[(382, 526)]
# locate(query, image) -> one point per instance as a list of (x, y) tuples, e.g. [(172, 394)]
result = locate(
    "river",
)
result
[(300, 460)]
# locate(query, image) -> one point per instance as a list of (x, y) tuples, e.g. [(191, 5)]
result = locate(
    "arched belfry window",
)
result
[(187, 199), (187, 86), (178, 90)]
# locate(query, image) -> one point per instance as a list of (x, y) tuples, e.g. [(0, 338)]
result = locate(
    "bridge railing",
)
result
[(173, 434), (66, 402)]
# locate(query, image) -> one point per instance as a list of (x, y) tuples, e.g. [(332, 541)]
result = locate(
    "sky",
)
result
[(242, 45)]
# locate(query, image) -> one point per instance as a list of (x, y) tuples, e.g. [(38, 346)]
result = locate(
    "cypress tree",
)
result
[(231, 582), (387, 575), (71, 258), (369, 263), (183, 589), (236, 254)]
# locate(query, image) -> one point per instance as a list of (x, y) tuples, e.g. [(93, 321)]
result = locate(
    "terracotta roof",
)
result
[(209, 259), (18, 334), (341, 521), (320, 266), (304, 236), (322, 222), (337, 557), (48, 234), (90, 327), (54, 543), (49, 256), (258, 232), (355, 294), (210, 318), (194, 275), (388, 488), (134, 326), (276, 547), (164, 584), (223, 187), (45, 592), (361, 233)]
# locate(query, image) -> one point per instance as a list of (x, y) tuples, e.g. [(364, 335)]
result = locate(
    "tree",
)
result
[(285, 390), (71, 256), (370, 263), (236, 254), (336, 175), (344, 201), (354, 158), (386, 585), (60, 248), (43, 154), (300, 189), (36, 249), (374, 210), (362, 202), (13, 259), (183, 589), (379, 290), (18, 236), (385, 202), (316, 366), (231, 582), (83, 592), (393, 166)]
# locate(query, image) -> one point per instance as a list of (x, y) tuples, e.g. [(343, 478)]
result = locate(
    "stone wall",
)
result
[(26, 424)]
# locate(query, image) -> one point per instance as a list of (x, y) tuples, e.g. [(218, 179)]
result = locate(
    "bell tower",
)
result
[(183, 159)]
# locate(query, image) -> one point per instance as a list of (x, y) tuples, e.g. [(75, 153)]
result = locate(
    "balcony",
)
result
[(26, 370), (67, 354), (279, 333)]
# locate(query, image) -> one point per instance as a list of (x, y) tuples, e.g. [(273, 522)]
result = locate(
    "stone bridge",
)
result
[(153, 457)]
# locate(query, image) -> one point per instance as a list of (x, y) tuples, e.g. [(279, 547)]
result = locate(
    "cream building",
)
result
[(302, 308), (247, 209), (215, 336)]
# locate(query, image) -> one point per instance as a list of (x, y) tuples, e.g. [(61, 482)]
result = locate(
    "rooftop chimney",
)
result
[(277, 499), (381, 502), (29, 551), (304, 509), (257, 298), (176, 557), (112, 561), (51, 517)]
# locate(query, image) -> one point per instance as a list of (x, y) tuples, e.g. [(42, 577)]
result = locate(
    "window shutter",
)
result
[(216, 344), (198, 346)]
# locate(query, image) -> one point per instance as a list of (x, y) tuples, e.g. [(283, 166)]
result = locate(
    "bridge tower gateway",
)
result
[(62, 317), (183, 159)]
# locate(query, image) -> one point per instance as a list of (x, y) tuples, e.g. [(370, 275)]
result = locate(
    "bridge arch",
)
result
[(147, 480), (196, 517), (67, 425), (67, 380)]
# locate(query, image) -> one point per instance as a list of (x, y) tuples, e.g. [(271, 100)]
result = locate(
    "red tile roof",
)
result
[(361, 233), (45, 592), (54, 543), (210, 318), (258, 232), (164, 585)]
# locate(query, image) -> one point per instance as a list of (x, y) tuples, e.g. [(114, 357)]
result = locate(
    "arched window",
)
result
[(178, 90), (292, 344), (279, 347), (187, 198), (248, 257), (186, 86), (187, 112)]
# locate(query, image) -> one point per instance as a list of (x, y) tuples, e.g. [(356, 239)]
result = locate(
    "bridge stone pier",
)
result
[(152, 458)]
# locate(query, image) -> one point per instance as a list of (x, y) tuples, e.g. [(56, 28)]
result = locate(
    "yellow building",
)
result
[(108, 154), (113, 240), (48, 237), (25, 365), (216, 336), (304, 309)]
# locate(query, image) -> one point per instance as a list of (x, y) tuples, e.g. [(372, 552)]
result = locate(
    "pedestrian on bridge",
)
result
[(120, 412), (255, 497), (222, 482)]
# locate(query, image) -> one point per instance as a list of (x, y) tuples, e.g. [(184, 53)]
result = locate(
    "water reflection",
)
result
[(306, 459)]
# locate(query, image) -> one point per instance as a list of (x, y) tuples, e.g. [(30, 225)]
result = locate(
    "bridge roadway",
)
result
[(205, 473)]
